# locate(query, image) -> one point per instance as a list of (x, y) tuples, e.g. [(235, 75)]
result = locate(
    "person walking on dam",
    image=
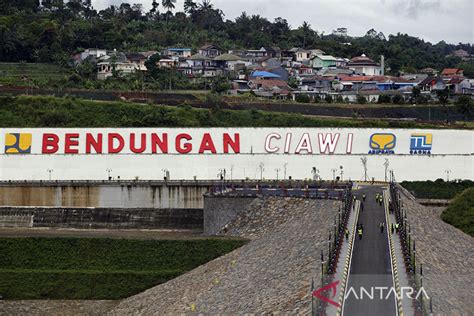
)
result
[(382, 225), (347, 234), (359, 232)]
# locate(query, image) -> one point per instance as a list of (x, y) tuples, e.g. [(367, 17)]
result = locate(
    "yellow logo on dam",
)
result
[(18, 143), (382, 143)]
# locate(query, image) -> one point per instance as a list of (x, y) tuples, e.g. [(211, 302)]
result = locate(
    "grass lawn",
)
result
[(95, 268), (460, 212), (39, 111)]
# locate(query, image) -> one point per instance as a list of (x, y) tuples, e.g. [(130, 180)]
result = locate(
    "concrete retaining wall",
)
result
[(219, 210), (101, 218), (111, 194)]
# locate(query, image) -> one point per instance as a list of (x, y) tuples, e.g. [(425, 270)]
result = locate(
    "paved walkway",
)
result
[(344, 259), (370, 264)]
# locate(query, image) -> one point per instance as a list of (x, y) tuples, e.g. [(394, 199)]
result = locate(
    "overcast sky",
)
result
[(432, 20)]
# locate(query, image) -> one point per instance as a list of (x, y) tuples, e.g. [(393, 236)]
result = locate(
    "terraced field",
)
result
[(22, 74)]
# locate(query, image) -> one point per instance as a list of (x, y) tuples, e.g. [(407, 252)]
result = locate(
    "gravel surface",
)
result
[(270, 274), (447, 256)]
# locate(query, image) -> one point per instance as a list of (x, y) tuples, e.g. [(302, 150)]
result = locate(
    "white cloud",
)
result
[(432, 20)]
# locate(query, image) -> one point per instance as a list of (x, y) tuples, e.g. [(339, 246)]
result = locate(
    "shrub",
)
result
[(361, 99), (460, 212), (328, 99), (398, 99), (384, 99), (221, 86), (438, 189), (302, 98)]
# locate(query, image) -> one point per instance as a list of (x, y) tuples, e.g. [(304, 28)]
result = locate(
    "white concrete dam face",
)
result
[(253, 153)]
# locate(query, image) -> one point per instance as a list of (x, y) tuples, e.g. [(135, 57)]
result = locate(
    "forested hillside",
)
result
[(51, 30)]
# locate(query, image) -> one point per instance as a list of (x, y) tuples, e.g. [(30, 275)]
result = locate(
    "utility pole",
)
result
[(108, 174), (334, 174), (284, 170), (342, 172), (315, 172)]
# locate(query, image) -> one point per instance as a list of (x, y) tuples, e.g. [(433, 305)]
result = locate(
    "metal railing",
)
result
[(413, 267), (334, 243)]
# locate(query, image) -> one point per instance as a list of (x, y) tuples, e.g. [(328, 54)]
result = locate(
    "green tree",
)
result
[(190, 6), (306, 32), (464, 105), (153, 13), (416, 91), (293, 82), (443, 97), (168, 4)]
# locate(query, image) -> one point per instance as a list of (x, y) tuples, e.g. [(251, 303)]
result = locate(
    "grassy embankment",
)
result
[(438, 189), (27, 111), (460, 212), (91, 268)]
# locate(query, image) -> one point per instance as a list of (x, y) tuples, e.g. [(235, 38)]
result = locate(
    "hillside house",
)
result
[(137, 59), (105, 69), (323, 61), (302, 54), (365, 66), (450, 72), (432, 84), (93, 52), (210, 51), (176, 53), (316, 83)]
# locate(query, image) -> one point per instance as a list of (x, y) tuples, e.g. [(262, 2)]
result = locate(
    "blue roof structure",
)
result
[(178, 49), (264, 74)]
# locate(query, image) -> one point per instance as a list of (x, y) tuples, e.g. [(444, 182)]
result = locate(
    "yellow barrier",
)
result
[(392, 255), (347, 262)]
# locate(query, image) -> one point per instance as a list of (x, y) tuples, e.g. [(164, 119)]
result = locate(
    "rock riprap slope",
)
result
[(447, 257), (272, 273)]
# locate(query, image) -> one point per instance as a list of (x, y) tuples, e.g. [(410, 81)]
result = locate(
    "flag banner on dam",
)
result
[(80, 153)]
